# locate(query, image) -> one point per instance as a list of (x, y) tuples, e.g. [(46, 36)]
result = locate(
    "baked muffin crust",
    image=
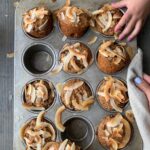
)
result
[(112, 94), (105, 19), (38, 22), (75, 57), (112, 56)]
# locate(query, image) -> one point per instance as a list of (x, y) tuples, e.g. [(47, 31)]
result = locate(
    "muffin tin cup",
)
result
[(79, 130), (114, 73), (30, 119), (38, 59), (38, 111), (77, 111), (36, 38), (111, 111), (85, 69), (53, 45), (131, 138), (102, 34)]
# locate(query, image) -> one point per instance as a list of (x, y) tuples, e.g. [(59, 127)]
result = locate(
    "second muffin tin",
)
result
[(53, 43)]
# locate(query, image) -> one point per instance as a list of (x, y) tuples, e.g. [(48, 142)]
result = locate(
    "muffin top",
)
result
[(71, 14), (37, 132), (64, 145), (114, 92), (114, 132), (38, 95), (115, 52), (77, 95), (35, 20), (105, 19), (75, 57)]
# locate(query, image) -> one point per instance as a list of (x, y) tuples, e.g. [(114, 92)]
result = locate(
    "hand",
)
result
[(144, 85), (133, 19)]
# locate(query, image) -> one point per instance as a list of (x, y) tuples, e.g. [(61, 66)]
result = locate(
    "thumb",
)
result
[(119, 4), (142, 85)]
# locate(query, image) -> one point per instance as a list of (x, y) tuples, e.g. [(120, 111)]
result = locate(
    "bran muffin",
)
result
[(75, 57), (112, 94), (73, 21), (76, 95), (38, 22), (112, 56), (114, 132), (37, 132), (38, 95), (105, 19)]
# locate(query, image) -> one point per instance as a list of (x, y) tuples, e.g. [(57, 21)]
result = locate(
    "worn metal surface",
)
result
[(93, 75), (6, 69)]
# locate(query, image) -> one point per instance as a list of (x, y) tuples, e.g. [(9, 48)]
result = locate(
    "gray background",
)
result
[(6, 69)]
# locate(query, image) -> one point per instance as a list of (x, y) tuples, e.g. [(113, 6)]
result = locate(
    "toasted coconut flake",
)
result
[(64, 38), (67, 147), (10, 55), (42, 27), (130, 116), (127, 134), (73, 146), (92, 23), (78, 106), (92, 40), (67, 97), (58, 118), (74, 86), (97, 12), (114, 105), (63, 145), (51, 146), (57, 69), (68, 3), (88, 102), (113, 144), (115, 121), (59, 88)]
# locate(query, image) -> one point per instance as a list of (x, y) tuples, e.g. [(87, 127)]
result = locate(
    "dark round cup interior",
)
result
[(80, 131), (38, 59)]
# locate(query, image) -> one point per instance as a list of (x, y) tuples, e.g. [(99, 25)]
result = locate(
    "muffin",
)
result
[(37, 132), (114, 132), (38, 22), (112, 56), (112, 94), (75, 57), (38, 95), (76, 95), (73, 21), (105, 19), (64, 145)]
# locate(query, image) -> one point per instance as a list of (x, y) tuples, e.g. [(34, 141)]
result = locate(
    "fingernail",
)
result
[(137, 80), (129, 39), (121, 37)]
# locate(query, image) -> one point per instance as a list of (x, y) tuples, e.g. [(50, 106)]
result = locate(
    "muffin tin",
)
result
[(53, 43)]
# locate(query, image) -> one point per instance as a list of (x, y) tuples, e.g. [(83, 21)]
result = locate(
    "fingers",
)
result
[(146, 78), (135, 32), (124, 20), (143, 85), (128, 29), (119, 4)]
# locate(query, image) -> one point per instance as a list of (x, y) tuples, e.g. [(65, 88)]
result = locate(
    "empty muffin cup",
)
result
[(80, 130), (38, 59)]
